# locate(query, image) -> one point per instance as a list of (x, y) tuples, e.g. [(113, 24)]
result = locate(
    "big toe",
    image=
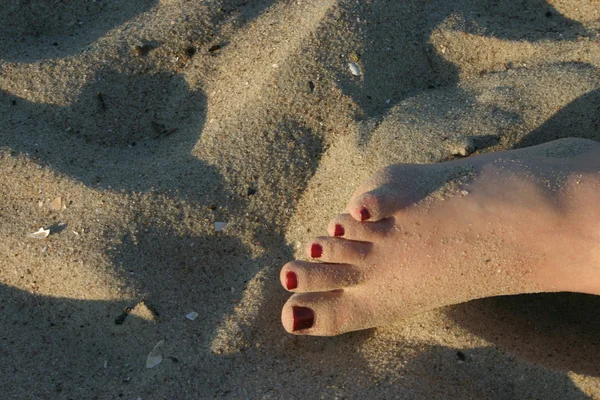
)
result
[(324, 313)]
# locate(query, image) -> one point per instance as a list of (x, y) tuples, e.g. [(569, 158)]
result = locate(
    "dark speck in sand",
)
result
[(190, 51), (121, 318), (101, 100), (214, 48), (311, 85), (14, 102), (251, 191), (142, 50), (548, 14), (461, 356)]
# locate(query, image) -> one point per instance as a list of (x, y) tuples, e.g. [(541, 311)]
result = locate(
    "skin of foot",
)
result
[(418, 237)]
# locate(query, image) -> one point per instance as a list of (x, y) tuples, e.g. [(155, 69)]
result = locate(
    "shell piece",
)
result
[(354, 69), (192, 316), (41, 234), (219, 226), (155, 356)]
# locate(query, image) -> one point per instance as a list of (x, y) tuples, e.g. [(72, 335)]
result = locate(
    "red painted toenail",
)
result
[(316, 250), (364, 214), (339, 231), (291, 281), (303, 318)]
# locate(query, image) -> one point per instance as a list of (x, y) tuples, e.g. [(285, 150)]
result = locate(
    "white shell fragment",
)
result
[(41, 234), (219, 226), (354, 69), (155, 356), (192, 316)]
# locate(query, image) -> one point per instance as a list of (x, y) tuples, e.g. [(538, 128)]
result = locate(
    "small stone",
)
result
[(461, 145), (56, 204)]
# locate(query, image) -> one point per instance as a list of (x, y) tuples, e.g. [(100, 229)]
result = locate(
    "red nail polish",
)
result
[(339, 230), (316, 250), (364, 214), (291, 281), (304, 318)]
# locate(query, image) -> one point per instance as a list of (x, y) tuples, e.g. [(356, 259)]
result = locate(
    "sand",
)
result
[(153, 120)]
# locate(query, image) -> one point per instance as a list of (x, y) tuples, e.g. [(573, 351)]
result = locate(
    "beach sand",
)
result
[(130, 128)]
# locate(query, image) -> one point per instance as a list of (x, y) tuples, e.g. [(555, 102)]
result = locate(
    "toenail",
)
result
[(316, 250), (339, 230), (304, 318), (291, 281), (364, 214)]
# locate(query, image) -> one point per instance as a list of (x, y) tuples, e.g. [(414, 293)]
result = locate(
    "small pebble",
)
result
[(56, 204), (461, 146)]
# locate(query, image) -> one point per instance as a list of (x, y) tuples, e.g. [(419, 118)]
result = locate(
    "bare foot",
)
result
[(418, 237)]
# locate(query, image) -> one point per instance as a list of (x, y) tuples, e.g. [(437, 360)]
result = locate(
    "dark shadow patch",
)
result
[(125, 110), (446, 373), (118, 148), (580, 118), (31, 30), (559, 331)]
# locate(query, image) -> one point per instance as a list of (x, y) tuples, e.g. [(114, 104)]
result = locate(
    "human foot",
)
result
[(418, 237)]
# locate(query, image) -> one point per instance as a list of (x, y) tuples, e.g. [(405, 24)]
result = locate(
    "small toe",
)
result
[(324, 313), (337, 250), (377, 204), (344, 225), (302, 276)]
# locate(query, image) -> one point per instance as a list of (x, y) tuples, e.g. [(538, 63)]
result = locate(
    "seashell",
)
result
[(155, 356), (192, 316), (219, 226), (41, 234), (354, 69)]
